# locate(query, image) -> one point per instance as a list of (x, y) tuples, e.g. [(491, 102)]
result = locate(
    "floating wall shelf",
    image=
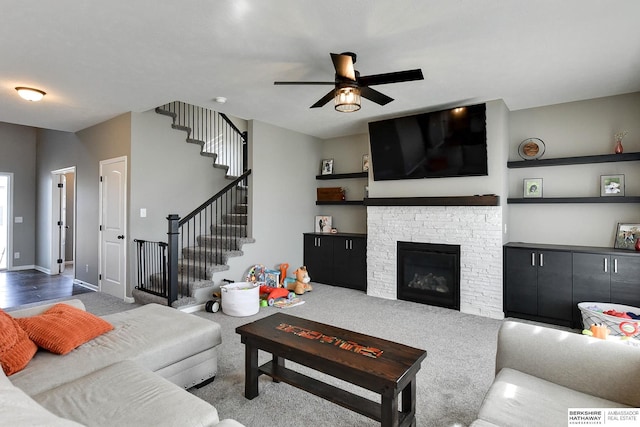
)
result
[(581, 160)]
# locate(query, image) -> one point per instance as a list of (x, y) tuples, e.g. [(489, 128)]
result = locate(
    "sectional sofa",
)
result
[(542, 372), (135, 374)]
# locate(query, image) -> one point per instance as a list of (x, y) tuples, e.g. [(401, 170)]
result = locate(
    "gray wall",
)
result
[(346, 153), (84, 150), (282, 196), (575, 129), (18, 155)]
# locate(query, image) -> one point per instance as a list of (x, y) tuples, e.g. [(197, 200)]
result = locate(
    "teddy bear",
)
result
[(301, 285)]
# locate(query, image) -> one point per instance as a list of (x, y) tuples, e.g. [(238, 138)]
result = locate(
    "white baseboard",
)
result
[(129, 300), (24, 267), (192, 308), (85, 284)]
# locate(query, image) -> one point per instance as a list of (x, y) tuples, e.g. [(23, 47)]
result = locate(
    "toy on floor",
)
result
[(256, 274), (283, 272), (301, 285), (270, 294)]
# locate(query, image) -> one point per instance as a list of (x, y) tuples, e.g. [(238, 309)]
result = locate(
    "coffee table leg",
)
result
[(409, 401), (389, 409), (250, 371), (278, 362)]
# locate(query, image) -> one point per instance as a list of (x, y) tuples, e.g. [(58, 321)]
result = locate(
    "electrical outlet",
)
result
[(16, 255)]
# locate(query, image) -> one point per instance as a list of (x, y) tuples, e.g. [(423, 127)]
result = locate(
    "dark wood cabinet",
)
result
[(337, 259), (606, 278), (546, 282), (538, 284)]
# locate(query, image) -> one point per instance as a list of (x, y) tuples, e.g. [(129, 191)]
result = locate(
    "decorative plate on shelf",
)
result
[(531, 148)]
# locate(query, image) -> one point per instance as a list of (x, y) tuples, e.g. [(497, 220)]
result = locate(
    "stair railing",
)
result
[(200, 242), (214, 131)]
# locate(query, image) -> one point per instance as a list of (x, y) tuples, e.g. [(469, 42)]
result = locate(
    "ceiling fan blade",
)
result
[(375, 96), (328, 97), (304, 83), (396, 77), (344, 66)]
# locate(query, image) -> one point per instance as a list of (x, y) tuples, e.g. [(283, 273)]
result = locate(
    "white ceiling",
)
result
[(99, 59)]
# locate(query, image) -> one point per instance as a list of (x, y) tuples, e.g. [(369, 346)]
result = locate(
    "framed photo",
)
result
[(323, 224), (611, 185), (532, 187), (327, 167), (626, 236), (365, 162)]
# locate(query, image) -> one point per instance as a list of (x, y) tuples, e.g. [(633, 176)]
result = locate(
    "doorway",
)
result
[(5, 225), (113, 226), (63, 222)]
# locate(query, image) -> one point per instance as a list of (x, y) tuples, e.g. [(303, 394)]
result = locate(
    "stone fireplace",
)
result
[(477, 230), (429, 274)]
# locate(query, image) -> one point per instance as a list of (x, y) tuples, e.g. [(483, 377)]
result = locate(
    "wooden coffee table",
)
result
[(382, 366)]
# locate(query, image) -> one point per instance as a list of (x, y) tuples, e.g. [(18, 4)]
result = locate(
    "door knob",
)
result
[(121, 236)]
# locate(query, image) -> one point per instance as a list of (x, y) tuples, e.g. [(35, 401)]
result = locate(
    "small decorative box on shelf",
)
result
[(330, 194)]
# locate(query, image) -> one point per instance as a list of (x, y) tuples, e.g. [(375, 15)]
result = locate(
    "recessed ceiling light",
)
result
[(30, 94), (220, 99)]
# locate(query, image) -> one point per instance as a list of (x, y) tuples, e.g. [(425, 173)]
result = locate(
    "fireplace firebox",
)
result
[(429, 274)]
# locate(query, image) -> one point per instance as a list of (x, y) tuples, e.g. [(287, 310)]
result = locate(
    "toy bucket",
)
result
[(240, 299)]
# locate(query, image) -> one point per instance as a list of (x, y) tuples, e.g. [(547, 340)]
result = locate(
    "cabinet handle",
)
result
[(350, 244), (533, 259), (615, 265), (606, 265), (541, 260), (346, 244)]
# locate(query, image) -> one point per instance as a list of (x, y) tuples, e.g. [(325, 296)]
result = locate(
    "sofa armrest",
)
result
[(39, 309), (597, 367)]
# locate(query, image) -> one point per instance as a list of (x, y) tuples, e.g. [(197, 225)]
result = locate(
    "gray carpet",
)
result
[(450, 386)]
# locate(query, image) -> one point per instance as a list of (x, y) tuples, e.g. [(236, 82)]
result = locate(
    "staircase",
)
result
[(179, 273)]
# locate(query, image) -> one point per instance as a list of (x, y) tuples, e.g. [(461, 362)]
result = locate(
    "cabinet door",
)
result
[(520, 285), (591, 280), (554, 285), (318, 257), (350, 262), (625, 280)]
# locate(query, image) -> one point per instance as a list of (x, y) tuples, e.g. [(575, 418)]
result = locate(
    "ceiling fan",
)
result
[(350, 86)]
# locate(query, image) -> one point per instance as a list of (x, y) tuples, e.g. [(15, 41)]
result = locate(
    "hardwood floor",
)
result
[(28, 286)]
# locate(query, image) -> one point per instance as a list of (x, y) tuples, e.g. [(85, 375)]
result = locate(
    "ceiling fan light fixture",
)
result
[(347, 99), (30, 94)]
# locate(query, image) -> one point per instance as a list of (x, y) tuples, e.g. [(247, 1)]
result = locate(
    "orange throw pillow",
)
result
[(62, 328), (16, 349)]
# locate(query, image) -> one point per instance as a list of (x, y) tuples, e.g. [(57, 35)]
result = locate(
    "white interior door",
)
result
[(113, 208), (62, 223)]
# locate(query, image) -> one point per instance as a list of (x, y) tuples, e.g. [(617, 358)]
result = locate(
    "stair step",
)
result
[(220, 241), (241, 208), (239, 230), (199, 269), (234, 218)]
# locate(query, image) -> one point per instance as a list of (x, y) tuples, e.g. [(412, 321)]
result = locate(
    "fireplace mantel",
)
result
[(484, 200)]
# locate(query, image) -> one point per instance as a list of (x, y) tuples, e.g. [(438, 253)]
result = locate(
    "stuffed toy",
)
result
[(301, 285)]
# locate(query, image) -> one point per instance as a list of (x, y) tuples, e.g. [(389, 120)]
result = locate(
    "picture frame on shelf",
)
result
[(365, 162), (323, 223), (327, 167), (532, 188), (627, 234), (611, 185)]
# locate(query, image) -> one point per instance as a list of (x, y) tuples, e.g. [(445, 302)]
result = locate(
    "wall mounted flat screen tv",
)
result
[(439, 144)]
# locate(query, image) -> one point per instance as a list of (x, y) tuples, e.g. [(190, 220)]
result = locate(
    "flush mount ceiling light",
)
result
[(30, 94), (347, 98)]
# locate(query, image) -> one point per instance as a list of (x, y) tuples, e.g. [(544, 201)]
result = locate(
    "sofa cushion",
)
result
[(127, 394), (19, 410), (62, 328), (16, 349), (153, 335), (519, 399)]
